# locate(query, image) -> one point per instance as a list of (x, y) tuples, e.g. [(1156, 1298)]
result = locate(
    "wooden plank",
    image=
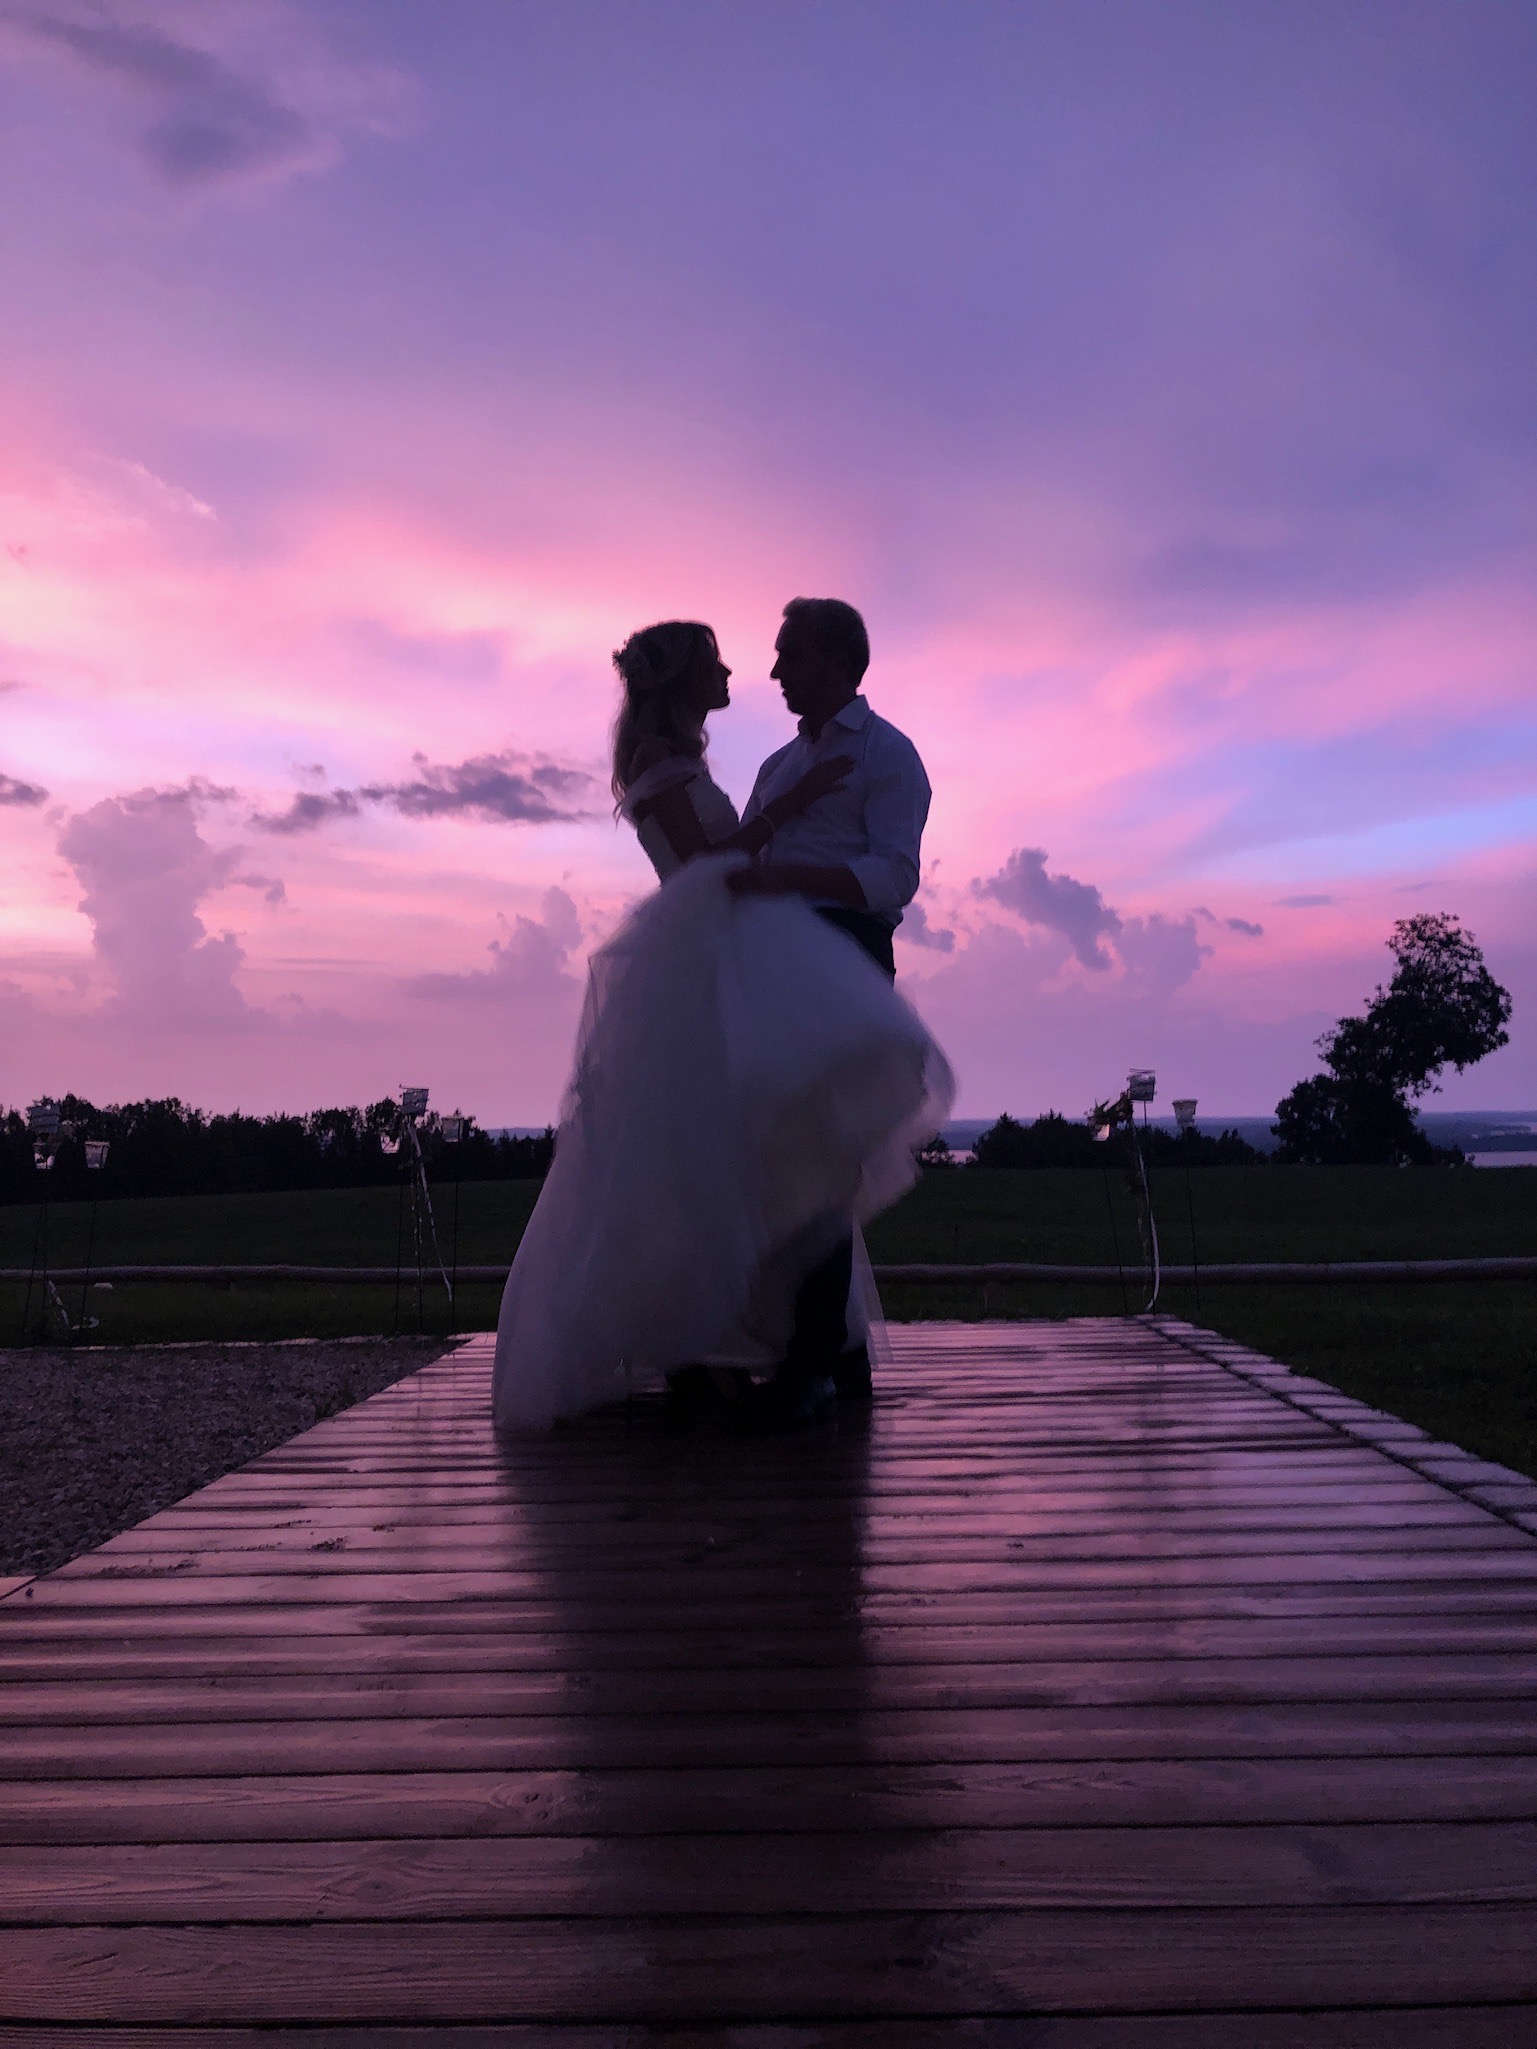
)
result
[(845, 1687), (924, 1869), (1462, 2027), (402, 1566), (674, 1645), (762, 1969), (571, 1741), (1136, 1793), (373, 1630), (1420, 1507)]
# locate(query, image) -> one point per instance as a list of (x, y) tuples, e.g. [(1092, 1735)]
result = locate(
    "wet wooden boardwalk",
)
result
[(1112, 1689)]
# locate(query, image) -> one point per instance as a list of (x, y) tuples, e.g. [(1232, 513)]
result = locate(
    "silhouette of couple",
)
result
[(748, 1085)]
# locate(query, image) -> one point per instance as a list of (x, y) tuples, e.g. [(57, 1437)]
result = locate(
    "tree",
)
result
[(1442, 1008), (1051, 1141)]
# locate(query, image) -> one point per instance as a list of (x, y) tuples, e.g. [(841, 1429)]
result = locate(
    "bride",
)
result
[(745, 1081)]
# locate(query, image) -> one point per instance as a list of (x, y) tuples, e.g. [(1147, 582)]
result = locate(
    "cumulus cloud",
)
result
[(917, 931), (228, 94), (1158, 954), (14, 791), (1075, 909), (144, 868), (506, 786), (529, 966), (1155, 954)]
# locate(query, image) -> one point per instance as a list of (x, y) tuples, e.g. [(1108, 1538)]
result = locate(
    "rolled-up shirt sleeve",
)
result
[(896, 810)]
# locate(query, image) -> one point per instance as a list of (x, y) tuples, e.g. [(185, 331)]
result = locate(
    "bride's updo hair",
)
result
[(656, 667)]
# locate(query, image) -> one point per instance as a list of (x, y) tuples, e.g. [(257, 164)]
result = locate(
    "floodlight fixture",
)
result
[(43, 1120), (96, 1150), (451, 1129), (1184, 1112), (413, 1102), (1141, 1084)]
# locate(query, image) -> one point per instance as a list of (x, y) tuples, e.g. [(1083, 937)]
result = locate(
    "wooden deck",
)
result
[(1111, 1689)]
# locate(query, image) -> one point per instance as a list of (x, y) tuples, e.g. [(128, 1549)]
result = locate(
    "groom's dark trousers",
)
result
[(821, 1333)]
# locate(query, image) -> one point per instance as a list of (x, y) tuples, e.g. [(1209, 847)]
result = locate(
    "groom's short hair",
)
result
[(838, 628)]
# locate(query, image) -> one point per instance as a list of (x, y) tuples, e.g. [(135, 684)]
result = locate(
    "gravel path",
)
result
[(92, 1441)]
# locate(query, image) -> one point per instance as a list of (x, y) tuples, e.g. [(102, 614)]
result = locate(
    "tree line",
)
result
[(1442, 1008), (165, 1147)]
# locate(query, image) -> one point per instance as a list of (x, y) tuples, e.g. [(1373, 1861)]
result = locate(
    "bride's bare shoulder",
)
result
[(651, 752)]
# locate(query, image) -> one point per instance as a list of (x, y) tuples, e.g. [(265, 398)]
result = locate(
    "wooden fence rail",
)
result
[(1247, 1273)]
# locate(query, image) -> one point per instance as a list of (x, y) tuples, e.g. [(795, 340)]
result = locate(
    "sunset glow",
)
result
[(1157, 381)]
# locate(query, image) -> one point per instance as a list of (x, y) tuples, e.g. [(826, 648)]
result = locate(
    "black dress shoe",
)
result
[(707, 1395), (792, 1401)]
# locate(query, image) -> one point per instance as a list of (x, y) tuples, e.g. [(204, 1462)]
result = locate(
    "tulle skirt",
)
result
[(747, 1084)]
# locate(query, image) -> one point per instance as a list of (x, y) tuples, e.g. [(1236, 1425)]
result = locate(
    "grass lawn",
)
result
[(1458, 1358)]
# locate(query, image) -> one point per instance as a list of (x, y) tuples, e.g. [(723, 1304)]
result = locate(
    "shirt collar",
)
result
[(853, 716)]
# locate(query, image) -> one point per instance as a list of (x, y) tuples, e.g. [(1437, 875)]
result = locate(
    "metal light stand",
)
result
[(1184, 1117), (389, 1144), (1141, 1086), (424, 1228), (451, 1130), (96, 1150), (1121, 1115), (48, 1131)]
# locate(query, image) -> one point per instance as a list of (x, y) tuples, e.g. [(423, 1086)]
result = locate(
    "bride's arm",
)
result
[(673, 810)]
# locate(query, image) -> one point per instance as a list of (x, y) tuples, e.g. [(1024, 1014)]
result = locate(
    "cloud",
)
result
[(1305, 903), (1075, 909), (9, 683), (309, 810), (14, 791), (275, 107), (528, 967), (508, 786), (144, 868), (917, 931), (1159, 954), (272, 887), (1245, 925), (1156, 955)]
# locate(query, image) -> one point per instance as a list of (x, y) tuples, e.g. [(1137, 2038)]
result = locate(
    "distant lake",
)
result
[(1490, 1138)]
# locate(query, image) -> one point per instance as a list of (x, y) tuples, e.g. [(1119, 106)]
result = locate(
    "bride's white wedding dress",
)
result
[(745, 1080)]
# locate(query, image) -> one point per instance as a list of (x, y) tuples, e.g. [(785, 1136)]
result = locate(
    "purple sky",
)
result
[(1159, 380)]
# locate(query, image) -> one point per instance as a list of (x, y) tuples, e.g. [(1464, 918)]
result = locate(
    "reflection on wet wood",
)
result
[(1095, 1674)]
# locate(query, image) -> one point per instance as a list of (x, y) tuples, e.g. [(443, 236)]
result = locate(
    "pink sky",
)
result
[(1157, 381)]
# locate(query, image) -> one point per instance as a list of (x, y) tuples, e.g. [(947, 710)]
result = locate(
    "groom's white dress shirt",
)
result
[(872, 825)]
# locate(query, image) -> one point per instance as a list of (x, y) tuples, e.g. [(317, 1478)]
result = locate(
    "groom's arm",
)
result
[(884, 878), (800, 878)]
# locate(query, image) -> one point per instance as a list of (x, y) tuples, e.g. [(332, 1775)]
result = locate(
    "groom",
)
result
[(854, 855)]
